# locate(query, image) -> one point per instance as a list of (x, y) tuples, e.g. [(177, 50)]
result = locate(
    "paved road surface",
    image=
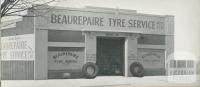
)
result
[(101, 81)]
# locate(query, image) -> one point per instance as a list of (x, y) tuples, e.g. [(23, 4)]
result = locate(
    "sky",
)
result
[(186, 13)]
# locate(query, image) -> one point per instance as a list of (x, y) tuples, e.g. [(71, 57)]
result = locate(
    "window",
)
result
[(65, 36)]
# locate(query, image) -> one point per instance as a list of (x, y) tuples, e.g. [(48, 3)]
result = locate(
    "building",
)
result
[(182, 67), (58, 43)]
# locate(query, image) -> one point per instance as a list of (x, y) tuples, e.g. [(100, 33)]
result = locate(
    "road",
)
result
[(102, 81)]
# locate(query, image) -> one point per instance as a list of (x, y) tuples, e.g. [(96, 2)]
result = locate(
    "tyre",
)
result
[(90, 70), (137, 69)]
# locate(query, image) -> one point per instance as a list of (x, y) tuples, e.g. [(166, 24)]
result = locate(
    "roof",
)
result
[(9, 23)]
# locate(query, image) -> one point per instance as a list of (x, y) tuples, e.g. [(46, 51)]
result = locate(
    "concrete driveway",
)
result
[(102, 81)]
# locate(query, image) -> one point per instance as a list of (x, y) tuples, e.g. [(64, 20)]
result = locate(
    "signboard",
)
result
[(102, 21), (80, 19), (65, 60), (19, 47), (152, 58)]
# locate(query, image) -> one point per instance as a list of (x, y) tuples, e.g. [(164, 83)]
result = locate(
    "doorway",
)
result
[(110, 56)]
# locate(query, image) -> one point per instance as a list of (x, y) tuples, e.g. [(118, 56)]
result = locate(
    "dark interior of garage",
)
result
[(110, 56)]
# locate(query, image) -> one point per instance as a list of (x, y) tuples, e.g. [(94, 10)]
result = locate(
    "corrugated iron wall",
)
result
[(17, 70), (21, 69)]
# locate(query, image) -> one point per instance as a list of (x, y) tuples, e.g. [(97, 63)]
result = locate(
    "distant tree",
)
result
[(14, 7)]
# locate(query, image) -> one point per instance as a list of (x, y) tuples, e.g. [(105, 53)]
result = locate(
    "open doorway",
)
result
[(110, 56)]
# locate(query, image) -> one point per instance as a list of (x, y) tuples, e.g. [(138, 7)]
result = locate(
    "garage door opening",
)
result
[(110, 56)]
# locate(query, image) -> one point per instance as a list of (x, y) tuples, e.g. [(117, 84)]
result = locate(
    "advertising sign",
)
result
[(102, 21), (19, 47), (152, 58), (65, 60)]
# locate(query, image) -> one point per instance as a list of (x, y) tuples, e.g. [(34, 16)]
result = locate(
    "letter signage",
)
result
[(20, 47), (105, 21), (62, 60)]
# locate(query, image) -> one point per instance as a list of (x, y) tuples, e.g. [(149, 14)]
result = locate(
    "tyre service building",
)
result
[(74, 42)]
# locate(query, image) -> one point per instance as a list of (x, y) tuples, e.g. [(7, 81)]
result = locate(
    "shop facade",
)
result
[(59, 43)]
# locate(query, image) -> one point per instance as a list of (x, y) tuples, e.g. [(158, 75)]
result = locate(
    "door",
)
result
[(110, 55)]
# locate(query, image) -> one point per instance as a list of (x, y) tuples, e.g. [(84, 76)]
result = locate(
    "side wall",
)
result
[(18, 69)]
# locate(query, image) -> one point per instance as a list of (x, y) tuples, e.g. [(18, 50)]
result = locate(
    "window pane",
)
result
[(190, 64), (65, 36), (181, 64)]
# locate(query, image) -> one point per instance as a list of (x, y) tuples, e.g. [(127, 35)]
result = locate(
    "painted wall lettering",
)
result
[(62, 60), (78, 20), (20, 47), (105, 21), (65, 57), (151, 58)]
